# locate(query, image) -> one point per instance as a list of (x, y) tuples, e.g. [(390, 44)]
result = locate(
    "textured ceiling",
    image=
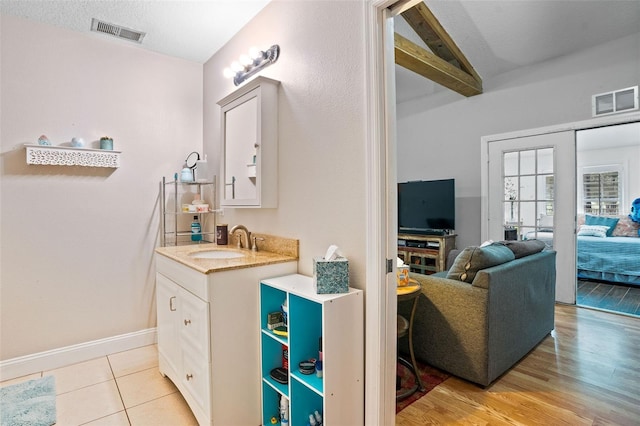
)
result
[(496, 35), (192, 30)]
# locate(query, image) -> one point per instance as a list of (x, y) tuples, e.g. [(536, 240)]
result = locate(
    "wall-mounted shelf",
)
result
[(70, 156)]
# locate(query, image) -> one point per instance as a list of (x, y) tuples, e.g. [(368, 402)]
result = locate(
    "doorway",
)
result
[(608, 180)]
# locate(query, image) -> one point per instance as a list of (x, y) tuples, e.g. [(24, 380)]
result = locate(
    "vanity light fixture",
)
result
[(252, 63)]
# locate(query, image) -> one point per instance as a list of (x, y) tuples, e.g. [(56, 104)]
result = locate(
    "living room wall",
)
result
[(439, 135)]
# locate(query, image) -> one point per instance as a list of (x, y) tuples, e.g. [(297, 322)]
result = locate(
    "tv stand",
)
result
[(425, 254)]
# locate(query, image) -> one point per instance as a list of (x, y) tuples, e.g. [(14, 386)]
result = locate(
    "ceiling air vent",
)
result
[(612, 102), (116, 31)]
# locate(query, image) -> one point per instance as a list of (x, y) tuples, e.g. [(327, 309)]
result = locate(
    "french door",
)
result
[(531, 195)]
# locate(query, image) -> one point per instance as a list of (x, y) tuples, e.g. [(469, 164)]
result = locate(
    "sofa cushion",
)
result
[(472, 259), (609, 222), (524, 248)]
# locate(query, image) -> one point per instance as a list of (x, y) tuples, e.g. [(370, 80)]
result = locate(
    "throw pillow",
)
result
[(473, 259), (524, 248), (593, 231), (609, 222), (626, 228)]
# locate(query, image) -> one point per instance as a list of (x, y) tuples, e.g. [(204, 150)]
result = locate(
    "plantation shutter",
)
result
[(601, 193)]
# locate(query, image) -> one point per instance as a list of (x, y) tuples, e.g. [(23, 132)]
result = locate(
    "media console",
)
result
[(425, 254)]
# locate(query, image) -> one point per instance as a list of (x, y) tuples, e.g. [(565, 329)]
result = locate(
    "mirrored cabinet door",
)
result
[(249, 131)]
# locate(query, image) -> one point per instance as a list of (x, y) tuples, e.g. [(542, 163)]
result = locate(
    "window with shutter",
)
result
[(601, 193)]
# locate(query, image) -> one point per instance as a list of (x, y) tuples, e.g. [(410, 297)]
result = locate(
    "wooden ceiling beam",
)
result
[(445, 64), (402, 5), (419, 60), (427, 26)]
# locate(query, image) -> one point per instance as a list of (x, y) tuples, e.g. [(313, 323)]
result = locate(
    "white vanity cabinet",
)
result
[(207, 344), (249, 134)]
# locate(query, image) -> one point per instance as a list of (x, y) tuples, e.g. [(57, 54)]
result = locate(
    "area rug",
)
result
[(31, 403), (431, 377)]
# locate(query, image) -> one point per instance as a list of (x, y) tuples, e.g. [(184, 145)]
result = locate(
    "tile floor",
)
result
[(125, 388)]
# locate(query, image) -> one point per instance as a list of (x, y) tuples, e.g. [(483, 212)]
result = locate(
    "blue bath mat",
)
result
[(30, 403)]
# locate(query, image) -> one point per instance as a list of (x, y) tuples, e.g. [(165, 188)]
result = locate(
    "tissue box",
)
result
[(330, 277), (402, 275)]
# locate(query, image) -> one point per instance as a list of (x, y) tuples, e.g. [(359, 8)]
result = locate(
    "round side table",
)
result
[(409, 293)]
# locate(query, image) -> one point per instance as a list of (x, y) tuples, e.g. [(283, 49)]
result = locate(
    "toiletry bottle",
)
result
[(202, 170), (222, 234), (284, 410), (285, 313), (318, 417), (285, 357), (196, 230), (312, 420)]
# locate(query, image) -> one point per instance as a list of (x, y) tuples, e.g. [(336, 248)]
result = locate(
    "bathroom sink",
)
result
[(216, 254)]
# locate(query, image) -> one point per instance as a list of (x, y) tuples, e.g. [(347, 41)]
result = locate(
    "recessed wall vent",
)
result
[(116, 31), (613, 102)]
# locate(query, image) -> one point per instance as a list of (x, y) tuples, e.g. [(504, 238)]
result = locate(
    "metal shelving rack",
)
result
[(171, 232)]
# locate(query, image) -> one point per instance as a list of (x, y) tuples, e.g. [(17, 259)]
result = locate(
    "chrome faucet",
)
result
[(247, 234)]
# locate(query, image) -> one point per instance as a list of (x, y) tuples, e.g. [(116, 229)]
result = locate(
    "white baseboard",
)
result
[(56, 358)]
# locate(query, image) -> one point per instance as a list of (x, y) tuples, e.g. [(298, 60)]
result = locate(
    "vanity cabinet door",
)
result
[(167, 303)]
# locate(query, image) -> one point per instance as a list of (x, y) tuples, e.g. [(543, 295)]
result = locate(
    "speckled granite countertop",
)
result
[(273, 250)]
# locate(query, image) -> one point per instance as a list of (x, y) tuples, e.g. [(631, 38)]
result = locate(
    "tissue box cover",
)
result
[(330, 277)]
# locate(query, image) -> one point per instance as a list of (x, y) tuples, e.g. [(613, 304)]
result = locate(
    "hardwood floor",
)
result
[(586, 372), (612, 297)]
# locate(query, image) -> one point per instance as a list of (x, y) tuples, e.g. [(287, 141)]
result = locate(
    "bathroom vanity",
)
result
[(208, 306)]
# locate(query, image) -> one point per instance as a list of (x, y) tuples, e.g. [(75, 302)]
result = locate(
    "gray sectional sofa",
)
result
[(478, 330)]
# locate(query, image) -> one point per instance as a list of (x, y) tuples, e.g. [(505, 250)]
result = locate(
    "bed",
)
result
[(614, 258)]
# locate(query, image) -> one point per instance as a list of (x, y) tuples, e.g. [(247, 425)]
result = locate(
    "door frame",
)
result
[(381, 228)]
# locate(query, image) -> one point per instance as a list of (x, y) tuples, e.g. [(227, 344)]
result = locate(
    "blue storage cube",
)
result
[(330, 277)]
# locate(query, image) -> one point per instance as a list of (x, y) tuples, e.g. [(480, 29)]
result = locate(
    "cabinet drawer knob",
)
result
[(187, 322), (189, 376)]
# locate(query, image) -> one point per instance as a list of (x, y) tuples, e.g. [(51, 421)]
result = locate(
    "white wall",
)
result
[(439, 136), (77, 242), (321, 125)]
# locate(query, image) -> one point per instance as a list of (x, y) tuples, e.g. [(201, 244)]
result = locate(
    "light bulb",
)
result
[(235, 66), (228, 72), (245, 60), (255, 53)]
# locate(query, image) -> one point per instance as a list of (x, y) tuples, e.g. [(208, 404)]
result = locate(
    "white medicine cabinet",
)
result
[(249, 130)]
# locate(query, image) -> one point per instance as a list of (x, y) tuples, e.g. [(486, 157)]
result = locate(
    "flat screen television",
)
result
[(426, 207)]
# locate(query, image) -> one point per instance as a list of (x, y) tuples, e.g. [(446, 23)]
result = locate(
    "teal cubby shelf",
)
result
[(336, 318)]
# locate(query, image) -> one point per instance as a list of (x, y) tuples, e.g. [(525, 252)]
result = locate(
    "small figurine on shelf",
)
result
[(44, 140), (77, 142), (106, 143)]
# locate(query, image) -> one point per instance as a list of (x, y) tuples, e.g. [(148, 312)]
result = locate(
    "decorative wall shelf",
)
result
[(70, 156)]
